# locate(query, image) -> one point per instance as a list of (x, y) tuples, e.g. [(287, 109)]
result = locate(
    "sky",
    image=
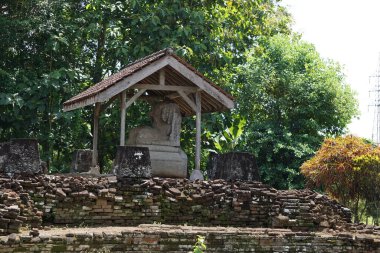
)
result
[(346, 31)]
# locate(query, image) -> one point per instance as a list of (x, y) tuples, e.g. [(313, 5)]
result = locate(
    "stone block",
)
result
[(23, 157), (82, 161), (4, 151), (132, 162), (233, 166), (280, 221)]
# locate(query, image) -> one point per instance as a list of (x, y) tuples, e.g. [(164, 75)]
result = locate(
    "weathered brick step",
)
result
[(169, 238)]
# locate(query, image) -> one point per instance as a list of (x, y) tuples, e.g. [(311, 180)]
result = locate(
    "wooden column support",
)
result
[(197, 174), (95, 135), (198, 131), (134, 98), (123, 109), (188, 100), (162, 77)]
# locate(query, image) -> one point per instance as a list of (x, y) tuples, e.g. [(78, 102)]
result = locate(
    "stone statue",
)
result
[(163, 141), (165, 130)]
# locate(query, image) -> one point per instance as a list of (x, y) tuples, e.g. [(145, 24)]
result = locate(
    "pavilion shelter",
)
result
[(162, 74)]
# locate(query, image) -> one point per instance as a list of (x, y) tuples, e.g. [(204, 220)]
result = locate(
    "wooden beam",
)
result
[(105, 105), (123, 110), (162, 77), (152, 98), (134, 78), (134, 98), (95, 135), (201, 83), (165, 87), (188, 100), (198, 131), (174, 95)]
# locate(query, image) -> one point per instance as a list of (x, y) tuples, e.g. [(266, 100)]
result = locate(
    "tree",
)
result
[(38, 68), (348, 169), (291, 99), (52, 50), (368, 168)]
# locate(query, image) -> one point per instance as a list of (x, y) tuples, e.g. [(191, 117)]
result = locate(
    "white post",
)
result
[(122, 117), (198, 132), (95, 135), (197, 174)]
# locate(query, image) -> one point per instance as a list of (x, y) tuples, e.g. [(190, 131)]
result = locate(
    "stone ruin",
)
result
[(39, 200), (163, 141), (132, 162), (233, 166), (20, 156), (232, 214), (165, 129), (82, 159), (238, 215)]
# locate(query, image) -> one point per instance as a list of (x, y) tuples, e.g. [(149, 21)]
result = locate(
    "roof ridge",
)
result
[(167, 50)]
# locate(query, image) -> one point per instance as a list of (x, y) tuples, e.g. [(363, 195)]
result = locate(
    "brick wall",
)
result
[(72, 201)]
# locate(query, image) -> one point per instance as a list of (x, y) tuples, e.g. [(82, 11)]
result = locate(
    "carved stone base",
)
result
[(167, 161)]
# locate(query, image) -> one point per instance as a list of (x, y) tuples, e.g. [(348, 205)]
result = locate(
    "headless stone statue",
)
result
[(163, 140), (165, 130)]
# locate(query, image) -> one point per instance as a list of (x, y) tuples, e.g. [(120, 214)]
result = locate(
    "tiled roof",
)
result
[(131, 69)]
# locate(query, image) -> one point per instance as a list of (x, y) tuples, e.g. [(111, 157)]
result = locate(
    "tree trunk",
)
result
[(98, 68), (356, 211), (97, 74)]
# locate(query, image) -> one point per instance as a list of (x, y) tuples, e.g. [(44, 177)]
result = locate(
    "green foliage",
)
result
[(229, 138), (348, 168), (291, 99), (335, 166), (368, 169), (52, 50), (200, 245)]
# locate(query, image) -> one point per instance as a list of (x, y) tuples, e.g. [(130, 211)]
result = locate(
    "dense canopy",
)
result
[(288, 97)]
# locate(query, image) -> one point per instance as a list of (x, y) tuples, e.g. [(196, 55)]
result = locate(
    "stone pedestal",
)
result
[(233, 166), (167, 161), (132, 162), (82, 159), (23, 157)]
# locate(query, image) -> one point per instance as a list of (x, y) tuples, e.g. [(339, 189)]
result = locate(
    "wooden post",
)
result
[(197, 174), (162, 77), (95, 135), (123, 107), (198, 131)]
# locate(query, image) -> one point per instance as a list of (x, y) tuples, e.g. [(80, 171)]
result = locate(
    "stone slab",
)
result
[(82, 161), (132, 162), (4, 151), (233, 166), (23, 157)]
